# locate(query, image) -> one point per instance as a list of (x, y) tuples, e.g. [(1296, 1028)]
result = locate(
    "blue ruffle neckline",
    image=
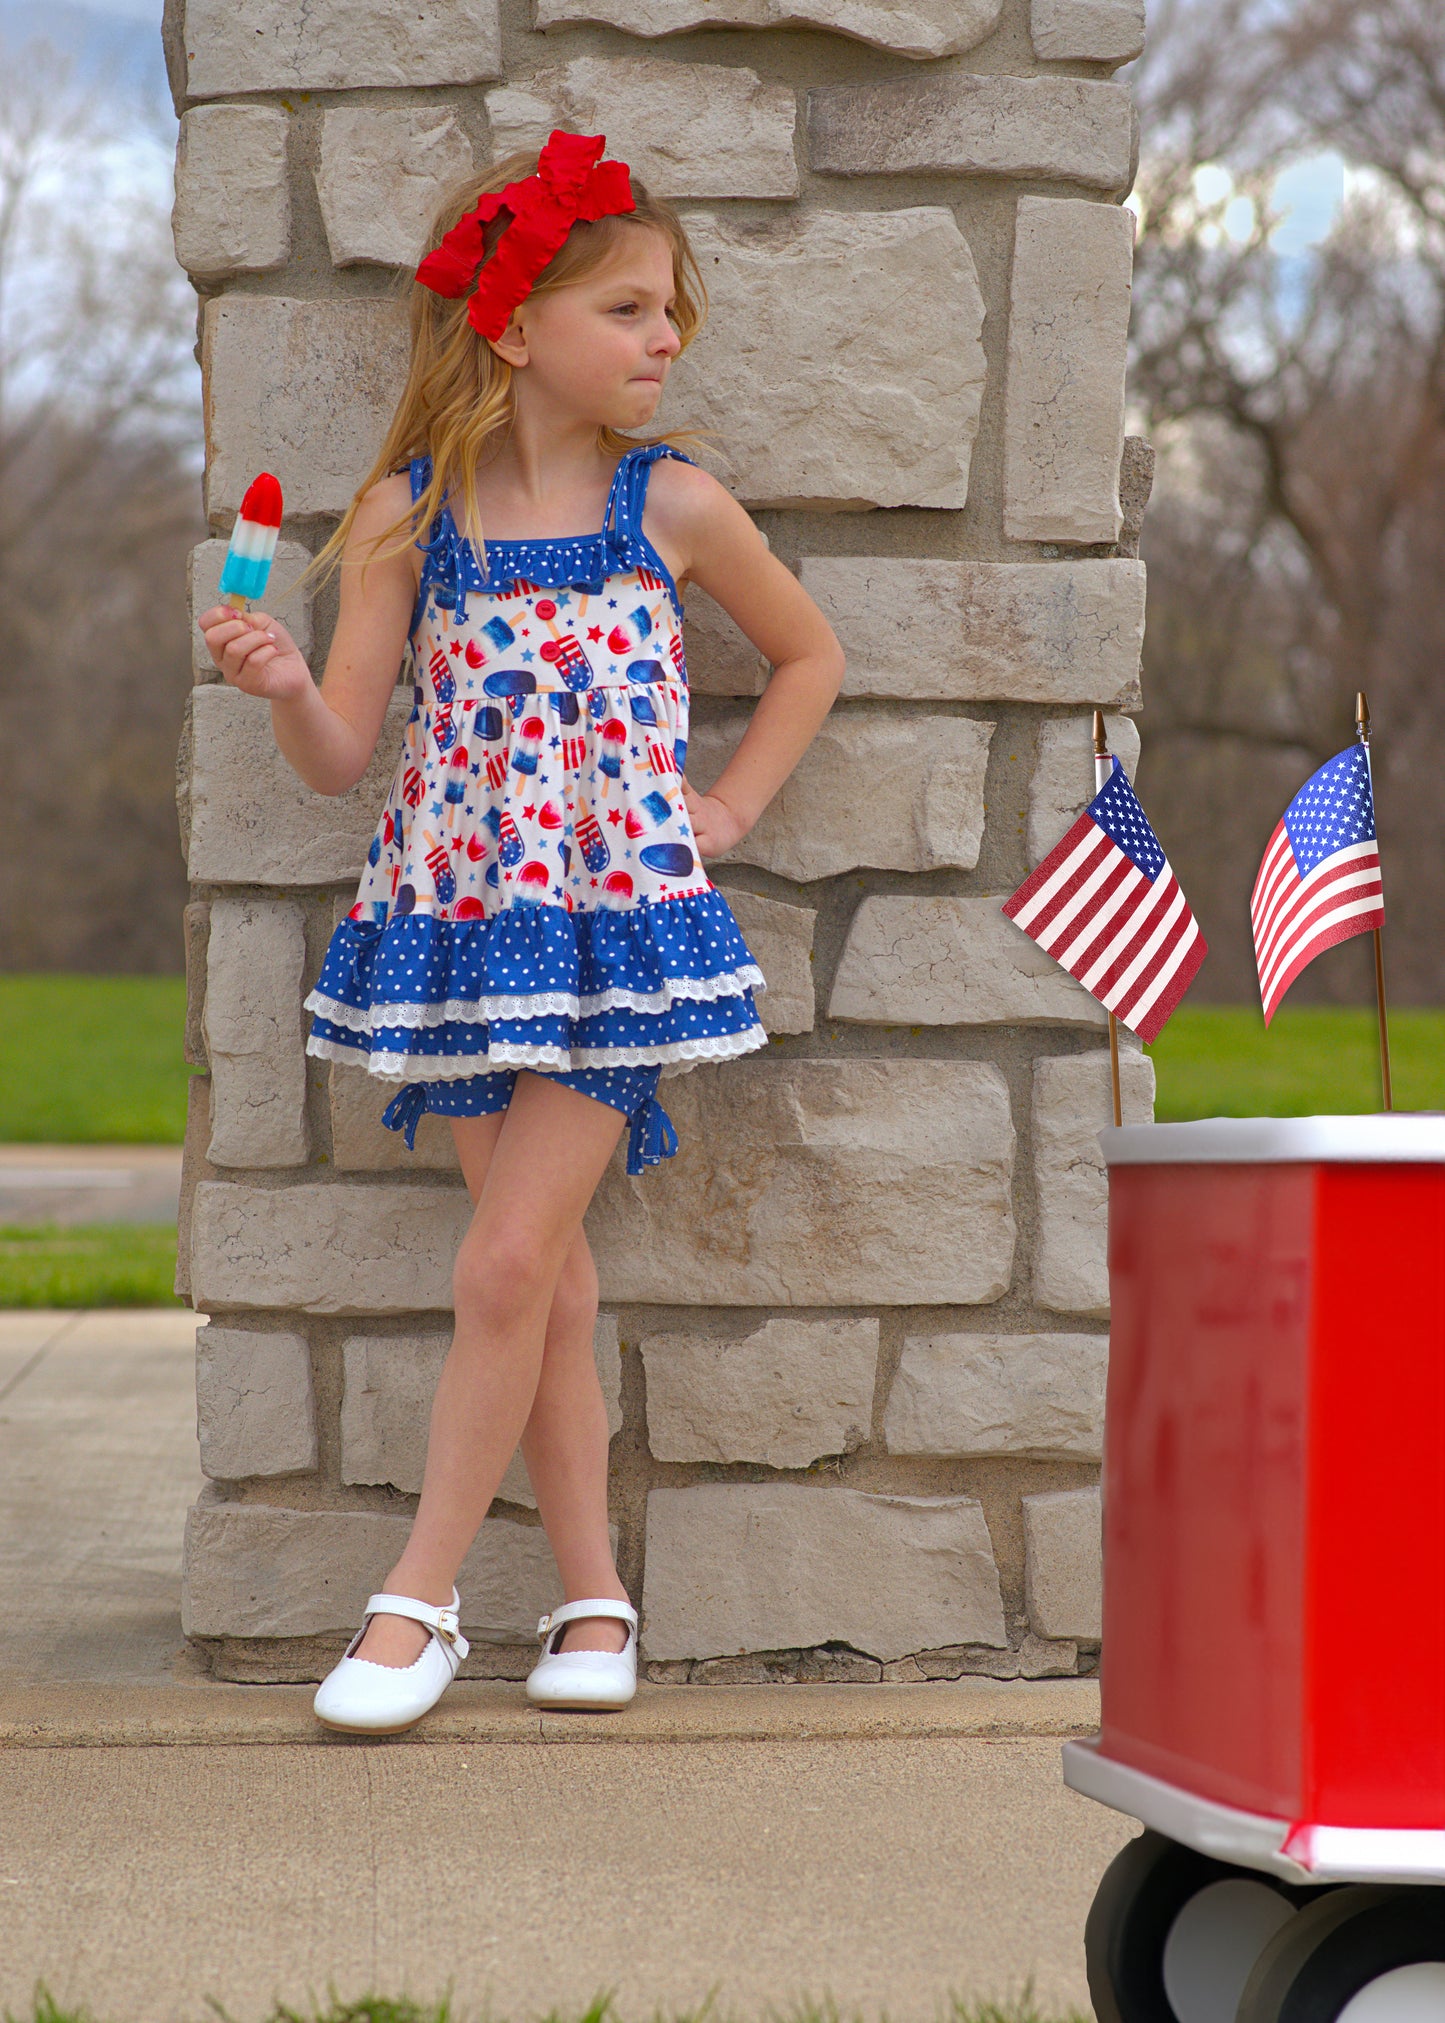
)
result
[(584, 562)]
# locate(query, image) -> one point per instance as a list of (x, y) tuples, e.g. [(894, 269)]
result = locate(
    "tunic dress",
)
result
[(533, 896)]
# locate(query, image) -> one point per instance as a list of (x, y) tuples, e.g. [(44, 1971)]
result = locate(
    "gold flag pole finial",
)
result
[(1101, 780), (1362, 731)]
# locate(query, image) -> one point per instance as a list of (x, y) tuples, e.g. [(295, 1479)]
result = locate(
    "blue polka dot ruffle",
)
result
[(667, 983)]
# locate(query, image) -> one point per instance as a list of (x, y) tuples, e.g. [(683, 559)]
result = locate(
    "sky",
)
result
[(131, 10)]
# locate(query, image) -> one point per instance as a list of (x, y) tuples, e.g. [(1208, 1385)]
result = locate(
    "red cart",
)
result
[(1274, 1574)]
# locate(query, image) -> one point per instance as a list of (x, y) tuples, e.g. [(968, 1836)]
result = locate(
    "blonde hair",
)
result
[(459, 399)]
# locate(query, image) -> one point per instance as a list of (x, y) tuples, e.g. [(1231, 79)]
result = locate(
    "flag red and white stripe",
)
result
[(1319, 882), (1106, 905)]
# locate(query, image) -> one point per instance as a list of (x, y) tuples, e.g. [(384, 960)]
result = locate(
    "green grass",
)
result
[(397, 2009), (103, 1264), (92, 1060), (1219, 1061)]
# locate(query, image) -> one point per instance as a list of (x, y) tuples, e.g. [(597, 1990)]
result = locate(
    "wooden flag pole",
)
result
[(1362, 728), (1101, 780)]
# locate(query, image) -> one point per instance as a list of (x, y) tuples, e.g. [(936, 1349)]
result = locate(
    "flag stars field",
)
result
[(1319, 883)]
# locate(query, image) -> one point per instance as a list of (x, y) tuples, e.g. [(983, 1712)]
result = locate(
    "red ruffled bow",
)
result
[(572, 182)]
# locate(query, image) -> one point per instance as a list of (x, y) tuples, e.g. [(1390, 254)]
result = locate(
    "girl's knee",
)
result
[(501, 1271)]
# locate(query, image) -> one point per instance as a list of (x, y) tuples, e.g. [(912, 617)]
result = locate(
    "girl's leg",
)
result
[(565, 1446), (548, 1152)]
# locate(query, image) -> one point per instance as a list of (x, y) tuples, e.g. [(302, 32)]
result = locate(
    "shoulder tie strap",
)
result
[(622, 522), (451, 563)]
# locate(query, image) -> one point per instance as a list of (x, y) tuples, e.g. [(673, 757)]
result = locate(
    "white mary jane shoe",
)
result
[(584, 1679), (365, 1698)]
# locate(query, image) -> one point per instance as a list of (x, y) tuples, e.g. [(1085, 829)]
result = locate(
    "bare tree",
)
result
[(1301, 408), (99, 504)]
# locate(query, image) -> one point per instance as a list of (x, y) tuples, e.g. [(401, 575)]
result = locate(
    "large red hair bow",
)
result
[(571, 182)]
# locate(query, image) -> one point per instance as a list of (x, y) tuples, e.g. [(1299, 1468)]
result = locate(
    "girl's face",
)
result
[(598, 350)]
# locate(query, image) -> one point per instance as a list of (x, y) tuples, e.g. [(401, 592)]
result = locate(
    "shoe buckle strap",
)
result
[(444, 1620), (573, 1611)]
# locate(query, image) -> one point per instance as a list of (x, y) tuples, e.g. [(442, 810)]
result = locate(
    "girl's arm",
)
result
[(720, 549), (328, 734)]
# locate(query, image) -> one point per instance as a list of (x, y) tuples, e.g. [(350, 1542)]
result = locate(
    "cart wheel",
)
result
[(1359, 1955), (1172, 1935)]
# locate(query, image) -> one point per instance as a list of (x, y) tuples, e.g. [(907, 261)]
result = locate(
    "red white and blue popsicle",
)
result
[(253, 544)]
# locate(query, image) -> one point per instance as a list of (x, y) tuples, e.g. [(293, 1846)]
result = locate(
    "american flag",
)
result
[(1106, 906), (1319, 882)]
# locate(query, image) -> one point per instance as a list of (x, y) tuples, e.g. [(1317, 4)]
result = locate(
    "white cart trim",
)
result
[(1297, 1853), (1399, 1138)]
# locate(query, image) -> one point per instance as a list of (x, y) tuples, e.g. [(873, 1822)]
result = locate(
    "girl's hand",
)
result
[(714, 824), (255, 653)]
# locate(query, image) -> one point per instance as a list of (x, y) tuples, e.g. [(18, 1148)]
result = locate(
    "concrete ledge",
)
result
[(139, 1715)]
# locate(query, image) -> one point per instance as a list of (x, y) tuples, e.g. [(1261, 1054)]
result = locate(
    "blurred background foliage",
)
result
[(100, 461), (1289, 365)]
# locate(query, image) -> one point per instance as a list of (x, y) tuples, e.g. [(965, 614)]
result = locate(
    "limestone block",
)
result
[(1087, 31), (361, 1143), (818, 1183), (386, 1407), (785, 1394), (255, 1413), (918, 28), (781, 937), (1044, 632), (1063, 781), (721, 659), (253, 821), (1067, 346), (824, 395), (304, 389), (765, 1566), (338, 45), (257, 1570), (208, 559), (382, 173), (1136, 483), (894, 792), (321, 1248), (232, 212), (255, 959), (196, 928), (1038, 127), (1041, 1396), (1071, 1105), (686, 129), (932, 960), (813, 1183), (1063, 1563)]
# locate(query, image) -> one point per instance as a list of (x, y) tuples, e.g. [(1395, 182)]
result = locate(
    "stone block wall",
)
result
[(853, 1337)]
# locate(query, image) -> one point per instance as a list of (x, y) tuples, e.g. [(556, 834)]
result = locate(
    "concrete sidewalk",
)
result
[(887, 1846), (89, 1183)]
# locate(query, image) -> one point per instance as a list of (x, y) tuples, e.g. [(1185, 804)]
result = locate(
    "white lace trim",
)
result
[(675, 1058), (540, 1004)]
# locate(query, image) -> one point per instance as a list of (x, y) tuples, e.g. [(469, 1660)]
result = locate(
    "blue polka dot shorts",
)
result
[(633, 1091)]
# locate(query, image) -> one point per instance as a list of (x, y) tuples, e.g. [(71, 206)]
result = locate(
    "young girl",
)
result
[(534, 939)]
